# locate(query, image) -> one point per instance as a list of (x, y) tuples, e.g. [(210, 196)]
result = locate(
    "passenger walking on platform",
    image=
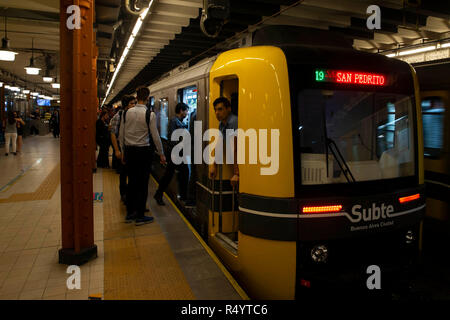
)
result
[(176, 122), (54, 122), (134, 138), (103, 140), (228, 120), (35, 117), (19, 123), (128, 101), (10, 129)]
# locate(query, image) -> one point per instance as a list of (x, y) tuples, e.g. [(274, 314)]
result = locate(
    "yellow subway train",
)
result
[(344, 188)]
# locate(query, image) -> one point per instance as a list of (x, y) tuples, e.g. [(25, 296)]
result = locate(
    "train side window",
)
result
[(151, 103), (229, 88), (164, 117), (189, 96), (433, 126), (386, 131)]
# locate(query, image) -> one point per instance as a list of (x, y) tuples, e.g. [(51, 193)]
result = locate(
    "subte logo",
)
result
[(374, 280)]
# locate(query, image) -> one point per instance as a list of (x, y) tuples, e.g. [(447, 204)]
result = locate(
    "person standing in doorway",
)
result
[(222, 108), (181, 111)]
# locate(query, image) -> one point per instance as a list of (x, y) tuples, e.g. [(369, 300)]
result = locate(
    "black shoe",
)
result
[(6, 154), (159, 200), (130, 218), (15, 153), (144, 220)]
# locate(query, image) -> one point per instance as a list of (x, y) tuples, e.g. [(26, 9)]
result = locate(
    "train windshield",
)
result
[(351, 136)]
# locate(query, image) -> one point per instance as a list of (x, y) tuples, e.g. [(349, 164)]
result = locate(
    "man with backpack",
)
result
[(128, 101), (137, 125)]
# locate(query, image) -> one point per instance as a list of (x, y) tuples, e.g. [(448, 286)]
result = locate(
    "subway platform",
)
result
[(164, 260)]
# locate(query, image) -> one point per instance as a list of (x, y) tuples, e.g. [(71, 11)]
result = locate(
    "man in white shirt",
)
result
[(134, 138)]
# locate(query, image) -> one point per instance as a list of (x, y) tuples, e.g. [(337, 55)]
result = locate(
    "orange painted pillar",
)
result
[(77, 134), (93, 115)]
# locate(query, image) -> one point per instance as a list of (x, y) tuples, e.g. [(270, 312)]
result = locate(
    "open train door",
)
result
[(254, 227)]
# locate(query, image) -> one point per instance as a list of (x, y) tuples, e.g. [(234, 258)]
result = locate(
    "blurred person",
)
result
[(10, 129), (181, 111), (102, 138), (54, 123), (128, 101), (20, 125)]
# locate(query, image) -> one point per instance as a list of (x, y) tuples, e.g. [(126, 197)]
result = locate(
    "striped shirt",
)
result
[(134, 132), (114, 123)]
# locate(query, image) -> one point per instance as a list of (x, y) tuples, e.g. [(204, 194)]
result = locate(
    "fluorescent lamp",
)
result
[(26, 91), (130, 41), (1, 84), (137, 27), (390, 55), (47, 79), (445, 45), (418, 50), (55, 85)]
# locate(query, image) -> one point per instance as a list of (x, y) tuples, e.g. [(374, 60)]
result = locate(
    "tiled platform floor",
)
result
[(30, 231)]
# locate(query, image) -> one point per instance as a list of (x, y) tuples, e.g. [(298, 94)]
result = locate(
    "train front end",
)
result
[(358, 170)]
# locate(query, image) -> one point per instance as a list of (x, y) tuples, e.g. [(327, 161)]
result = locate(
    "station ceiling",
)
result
[(171, 32)]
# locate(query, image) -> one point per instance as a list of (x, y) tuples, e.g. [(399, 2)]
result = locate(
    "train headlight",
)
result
[(319, 254), (409, 237)]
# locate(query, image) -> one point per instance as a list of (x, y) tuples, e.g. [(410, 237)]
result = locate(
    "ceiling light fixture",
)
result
[(32, 69), (6, 54)]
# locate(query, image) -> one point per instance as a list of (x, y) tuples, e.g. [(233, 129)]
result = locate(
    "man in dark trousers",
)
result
[(128, 101), (181, 111), (134, 137)]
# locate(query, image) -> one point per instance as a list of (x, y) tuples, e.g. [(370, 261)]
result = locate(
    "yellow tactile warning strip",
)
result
[(44, 192), (139, 263), (227, 274)]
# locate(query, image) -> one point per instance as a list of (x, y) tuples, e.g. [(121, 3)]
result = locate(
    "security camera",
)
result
[(214, 15)]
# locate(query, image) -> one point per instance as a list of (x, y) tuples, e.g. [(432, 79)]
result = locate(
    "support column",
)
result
[(77, 135)]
